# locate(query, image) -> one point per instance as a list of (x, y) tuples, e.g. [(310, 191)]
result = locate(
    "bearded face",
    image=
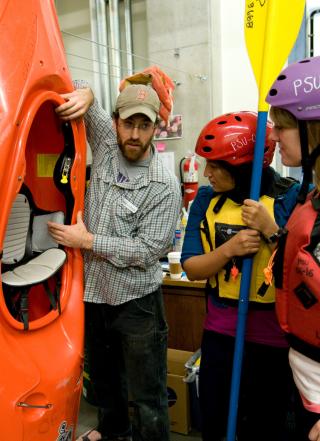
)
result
[(134, 136)]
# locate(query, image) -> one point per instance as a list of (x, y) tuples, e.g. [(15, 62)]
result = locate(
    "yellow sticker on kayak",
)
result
[(46, 164)]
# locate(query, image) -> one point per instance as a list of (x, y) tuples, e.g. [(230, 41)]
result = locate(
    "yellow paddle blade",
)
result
[(271, 29)]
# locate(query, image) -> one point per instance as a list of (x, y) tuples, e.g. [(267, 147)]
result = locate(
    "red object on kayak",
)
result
[(160, 82), (42, 173)]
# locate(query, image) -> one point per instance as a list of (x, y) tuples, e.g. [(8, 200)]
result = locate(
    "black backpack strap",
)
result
[(54, 297), (205, 230), (51, 296)]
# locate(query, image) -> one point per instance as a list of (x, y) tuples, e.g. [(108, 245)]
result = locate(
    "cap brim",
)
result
[(127, 112)]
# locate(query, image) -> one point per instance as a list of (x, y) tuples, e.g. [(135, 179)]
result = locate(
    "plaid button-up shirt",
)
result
[(133, 222)]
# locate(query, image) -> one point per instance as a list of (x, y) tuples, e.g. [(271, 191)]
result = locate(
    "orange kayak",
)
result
[(42, 177)]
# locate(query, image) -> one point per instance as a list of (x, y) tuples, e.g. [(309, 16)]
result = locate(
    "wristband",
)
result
[(276, 236)]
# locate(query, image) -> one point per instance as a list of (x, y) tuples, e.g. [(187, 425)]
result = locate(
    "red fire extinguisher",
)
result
[(189, 178)]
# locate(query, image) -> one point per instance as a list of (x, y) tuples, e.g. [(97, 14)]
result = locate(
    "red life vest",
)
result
[(297, 276)]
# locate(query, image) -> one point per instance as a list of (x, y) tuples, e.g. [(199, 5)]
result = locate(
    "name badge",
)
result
[(129, 205)]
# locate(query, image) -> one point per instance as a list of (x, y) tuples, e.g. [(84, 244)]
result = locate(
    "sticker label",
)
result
[(46, 164), (129, 205), (65, 433)]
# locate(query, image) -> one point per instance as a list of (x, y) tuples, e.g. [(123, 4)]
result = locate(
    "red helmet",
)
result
[(231, 138)]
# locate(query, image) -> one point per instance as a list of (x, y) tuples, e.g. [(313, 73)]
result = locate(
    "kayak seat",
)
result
[(30, 255)]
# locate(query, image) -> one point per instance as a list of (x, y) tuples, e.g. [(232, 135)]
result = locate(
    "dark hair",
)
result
[(242, 179)]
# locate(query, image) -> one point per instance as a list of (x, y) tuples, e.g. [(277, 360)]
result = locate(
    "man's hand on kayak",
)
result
[(76, 105), (73, 236)]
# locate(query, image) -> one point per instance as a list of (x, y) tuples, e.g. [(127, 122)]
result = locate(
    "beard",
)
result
[(136, 153)]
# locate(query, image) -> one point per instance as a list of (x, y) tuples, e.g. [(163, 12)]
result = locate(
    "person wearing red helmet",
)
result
[(295, 101), (216, 240), (231, 138)]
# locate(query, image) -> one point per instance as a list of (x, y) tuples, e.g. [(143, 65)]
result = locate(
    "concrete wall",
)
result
[(179, 42), (74, 18), (202, 39), (199, 43), (233, 83)]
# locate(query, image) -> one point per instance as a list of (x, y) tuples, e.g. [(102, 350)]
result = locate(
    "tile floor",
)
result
[(87, 420)]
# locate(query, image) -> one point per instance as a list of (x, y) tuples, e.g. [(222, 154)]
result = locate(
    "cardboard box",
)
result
[(178, 391)]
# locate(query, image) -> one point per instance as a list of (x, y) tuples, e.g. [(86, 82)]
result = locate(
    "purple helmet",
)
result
[(297, 89)]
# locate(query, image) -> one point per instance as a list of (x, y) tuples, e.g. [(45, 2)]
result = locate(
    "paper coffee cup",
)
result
[(175, 268)]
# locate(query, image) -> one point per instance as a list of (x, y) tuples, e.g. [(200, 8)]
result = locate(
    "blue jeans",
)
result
[(127, 355)]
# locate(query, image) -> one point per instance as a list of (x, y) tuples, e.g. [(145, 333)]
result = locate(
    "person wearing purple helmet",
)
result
[(295, 111)]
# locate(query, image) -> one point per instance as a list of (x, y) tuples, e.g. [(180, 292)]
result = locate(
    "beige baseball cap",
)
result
[(138, 98)]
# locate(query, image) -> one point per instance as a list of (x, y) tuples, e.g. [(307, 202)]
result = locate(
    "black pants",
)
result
[(128, 353), (264, 392)]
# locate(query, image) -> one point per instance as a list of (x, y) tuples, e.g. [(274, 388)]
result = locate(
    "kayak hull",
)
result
[(40, 367)]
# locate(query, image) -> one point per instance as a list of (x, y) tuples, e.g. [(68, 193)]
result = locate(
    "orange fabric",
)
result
[(268, 274), (161, 83)]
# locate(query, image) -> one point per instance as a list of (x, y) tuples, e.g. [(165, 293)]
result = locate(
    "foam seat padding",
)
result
[(36, 270)]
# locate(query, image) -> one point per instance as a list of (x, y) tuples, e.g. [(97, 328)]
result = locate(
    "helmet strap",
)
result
[(305, 161)]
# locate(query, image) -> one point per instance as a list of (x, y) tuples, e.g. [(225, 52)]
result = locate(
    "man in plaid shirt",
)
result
[(131, 209)]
